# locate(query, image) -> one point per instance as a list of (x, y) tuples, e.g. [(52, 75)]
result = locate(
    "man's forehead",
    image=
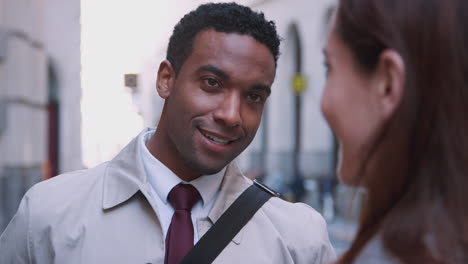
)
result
[(214, 44), (211, 40)]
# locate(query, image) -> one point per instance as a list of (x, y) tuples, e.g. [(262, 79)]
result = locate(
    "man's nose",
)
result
[(228, 112)]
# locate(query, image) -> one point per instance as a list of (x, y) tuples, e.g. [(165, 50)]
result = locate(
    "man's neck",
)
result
[(158, 147)]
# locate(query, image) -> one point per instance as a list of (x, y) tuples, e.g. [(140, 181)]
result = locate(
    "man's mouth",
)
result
[(216, 138)]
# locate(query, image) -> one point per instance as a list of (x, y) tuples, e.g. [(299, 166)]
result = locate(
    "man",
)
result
[(220, 66)]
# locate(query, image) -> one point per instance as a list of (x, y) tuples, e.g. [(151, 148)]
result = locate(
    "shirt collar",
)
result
[(162, 179), (208, 185)]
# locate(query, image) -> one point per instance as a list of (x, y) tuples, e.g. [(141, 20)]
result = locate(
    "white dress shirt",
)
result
[(162, 180)]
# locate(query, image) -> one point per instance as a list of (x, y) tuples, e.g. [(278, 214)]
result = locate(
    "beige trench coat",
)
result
[(105, 215)]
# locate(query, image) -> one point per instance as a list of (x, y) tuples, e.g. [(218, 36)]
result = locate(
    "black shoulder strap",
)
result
[(229, 224)]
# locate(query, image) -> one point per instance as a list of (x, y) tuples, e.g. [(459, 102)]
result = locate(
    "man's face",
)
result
[(214, 105)]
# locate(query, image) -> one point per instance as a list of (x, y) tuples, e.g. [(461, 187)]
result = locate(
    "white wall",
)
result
[(23, 144), (23, 94), (62, 40)]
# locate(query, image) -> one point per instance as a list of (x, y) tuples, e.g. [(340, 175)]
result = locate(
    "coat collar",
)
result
[(125, 175), (234, 183)]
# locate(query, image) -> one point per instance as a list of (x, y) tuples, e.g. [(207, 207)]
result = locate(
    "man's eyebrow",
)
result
[(261, 87), (213, 69)]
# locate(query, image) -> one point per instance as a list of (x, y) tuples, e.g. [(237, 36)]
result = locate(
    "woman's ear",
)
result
[(166, 79), (391, 82)]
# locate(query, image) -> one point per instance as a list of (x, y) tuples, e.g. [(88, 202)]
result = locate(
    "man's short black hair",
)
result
[(222, 17)]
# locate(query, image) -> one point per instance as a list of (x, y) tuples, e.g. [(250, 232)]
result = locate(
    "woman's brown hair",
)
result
[(424, 217)]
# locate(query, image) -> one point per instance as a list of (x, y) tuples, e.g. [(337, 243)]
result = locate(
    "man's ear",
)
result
[(166, 79), (391, 82)]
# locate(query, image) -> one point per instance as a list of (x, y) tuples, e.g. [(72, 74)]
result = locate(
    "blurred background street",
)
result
[(77, 83)]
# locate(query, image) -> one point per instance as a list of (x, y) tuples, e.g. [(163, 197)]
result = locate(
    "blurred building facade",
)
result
[(39, 95), (294, 142)]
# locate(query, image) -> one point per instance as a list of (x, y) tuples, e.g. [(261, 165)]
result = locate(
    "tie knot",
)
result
[(183, 197)]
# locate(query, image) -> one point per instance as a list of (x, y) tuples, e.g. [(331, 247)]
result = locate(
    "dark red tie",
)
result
[(179, 239)]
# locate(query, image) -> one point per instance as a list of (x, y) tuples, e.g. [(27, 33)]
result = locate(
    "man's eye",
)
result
[(255, 98), (211, 82), (326, 64)]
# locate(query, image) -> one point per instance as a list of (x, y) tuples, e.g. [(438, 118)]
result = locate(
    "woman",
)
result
[(397, 99)]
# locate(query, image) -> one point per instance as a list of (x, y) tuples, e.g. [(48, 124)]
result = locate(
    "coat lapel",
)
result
[(124, 176), (234, 183)]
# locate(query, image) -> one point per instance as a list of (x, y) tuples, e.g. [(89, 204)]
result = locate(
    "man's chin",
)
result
[(209, 169), (212, 170)]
